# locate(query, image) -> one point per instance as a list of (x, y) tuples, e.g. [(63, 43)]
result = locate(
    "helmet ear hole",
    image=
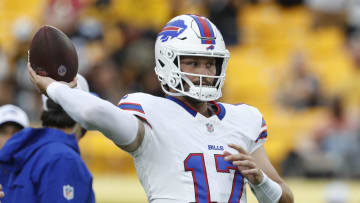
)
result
[(175, 79), (170, 54)]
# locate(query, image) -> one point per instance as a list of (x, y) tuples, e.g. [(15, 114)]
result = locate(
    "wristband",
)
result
[(268, 191)]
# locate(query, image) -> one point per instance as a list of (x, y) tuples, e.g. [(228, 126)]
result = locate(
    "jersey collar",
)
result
[(220, 108)]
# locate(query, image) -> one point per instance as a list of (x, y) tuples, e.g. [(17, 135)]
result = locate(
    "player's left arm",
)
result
[(261, 159), (257, 168)]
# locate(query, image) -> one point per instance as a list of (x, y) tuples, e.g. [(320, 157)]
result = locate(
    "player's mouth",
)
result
[(204, 83)]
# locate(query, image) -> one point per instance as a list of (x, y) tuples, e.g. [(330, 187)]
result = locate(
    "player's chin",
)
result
[(192, 100), (188, 98)]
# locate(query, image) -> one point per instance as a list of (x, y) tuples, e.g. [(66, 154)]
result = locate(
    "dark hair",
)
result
[(16, 126), (55, 116)]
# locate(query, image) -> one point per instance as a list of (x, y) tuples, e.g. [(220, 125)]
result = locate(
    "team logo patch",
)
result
[(172, 29), (210, 127), (68, 192)]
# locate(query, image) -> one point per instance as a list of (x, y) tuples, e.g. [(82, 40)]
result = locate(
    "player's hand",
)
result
[(245, 164), (2, 194), (41, 82)]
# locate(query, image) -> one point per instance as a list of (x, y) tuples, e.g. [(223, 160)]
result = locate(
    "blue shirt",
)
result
[(42, 166)]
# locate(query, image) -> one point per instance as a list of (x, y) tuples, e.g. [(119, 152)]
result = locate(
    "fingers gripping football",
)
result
[(41, 83), (245, 164)]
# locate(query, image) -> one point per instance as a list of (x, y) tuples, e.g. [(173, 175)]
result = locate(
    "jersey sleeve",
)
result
[(140, 104), (135, 104), (255, 126), (66, 179), (261, 136)]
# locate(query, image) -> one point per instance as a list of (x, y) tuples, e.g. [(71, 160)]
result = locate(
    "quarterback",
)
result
[(186, 147)]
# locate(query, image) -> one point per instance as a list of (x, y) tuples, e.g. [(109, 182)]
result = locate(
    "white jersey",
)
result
[(180, 158)]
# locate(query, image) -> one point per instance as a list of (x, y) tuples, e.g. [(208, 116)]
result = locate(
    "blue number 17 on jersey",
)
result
[(196, 164)]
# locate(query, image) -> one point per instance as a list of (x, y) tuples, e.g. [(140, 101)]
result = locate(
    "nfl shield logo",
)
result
[(68, 192), (210, 127)]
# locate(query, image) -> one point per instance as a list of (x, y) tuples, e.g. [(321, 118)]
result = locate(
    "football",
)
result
[(53, 54)]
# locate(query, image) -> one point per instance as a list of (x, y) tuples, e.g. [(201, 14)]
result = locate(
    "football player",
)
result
[(186, 147)]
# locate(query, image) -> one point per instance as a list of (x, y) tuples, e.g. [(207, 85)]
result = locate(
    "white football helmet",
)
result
[(190, 35)]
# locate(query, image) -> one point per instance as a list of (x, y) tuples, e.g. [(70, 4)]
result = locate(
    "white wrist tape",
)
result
[(268, 191)]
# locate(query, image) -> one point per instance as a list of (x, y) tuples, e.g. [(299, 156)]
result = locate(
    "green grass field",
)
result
[(127, 189)]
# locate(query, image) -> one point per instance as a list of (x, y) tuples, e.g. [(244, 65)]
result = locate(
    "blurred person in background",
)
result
[(351, 87), (327, 12), (188, 133), (224, 14), (290, 3), (23, 93), (43, 165), (12, 120), (104, 79), (7, 89), (300, 88), (331, 150), (63, 14), (7, 84), (134, 59)]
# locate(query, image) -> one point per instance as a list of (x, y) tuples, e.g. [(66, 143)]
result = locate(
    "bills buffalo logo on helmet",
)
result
[(211, 47), (172, 29)]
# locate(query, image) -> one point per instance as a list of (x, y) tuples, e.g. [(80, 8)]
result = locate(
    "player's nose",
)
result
[(203, 69)]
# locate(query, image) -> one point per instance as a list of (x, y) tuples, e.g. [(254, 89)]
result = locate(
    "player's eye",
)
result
[(191, 63), (210, 64)]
